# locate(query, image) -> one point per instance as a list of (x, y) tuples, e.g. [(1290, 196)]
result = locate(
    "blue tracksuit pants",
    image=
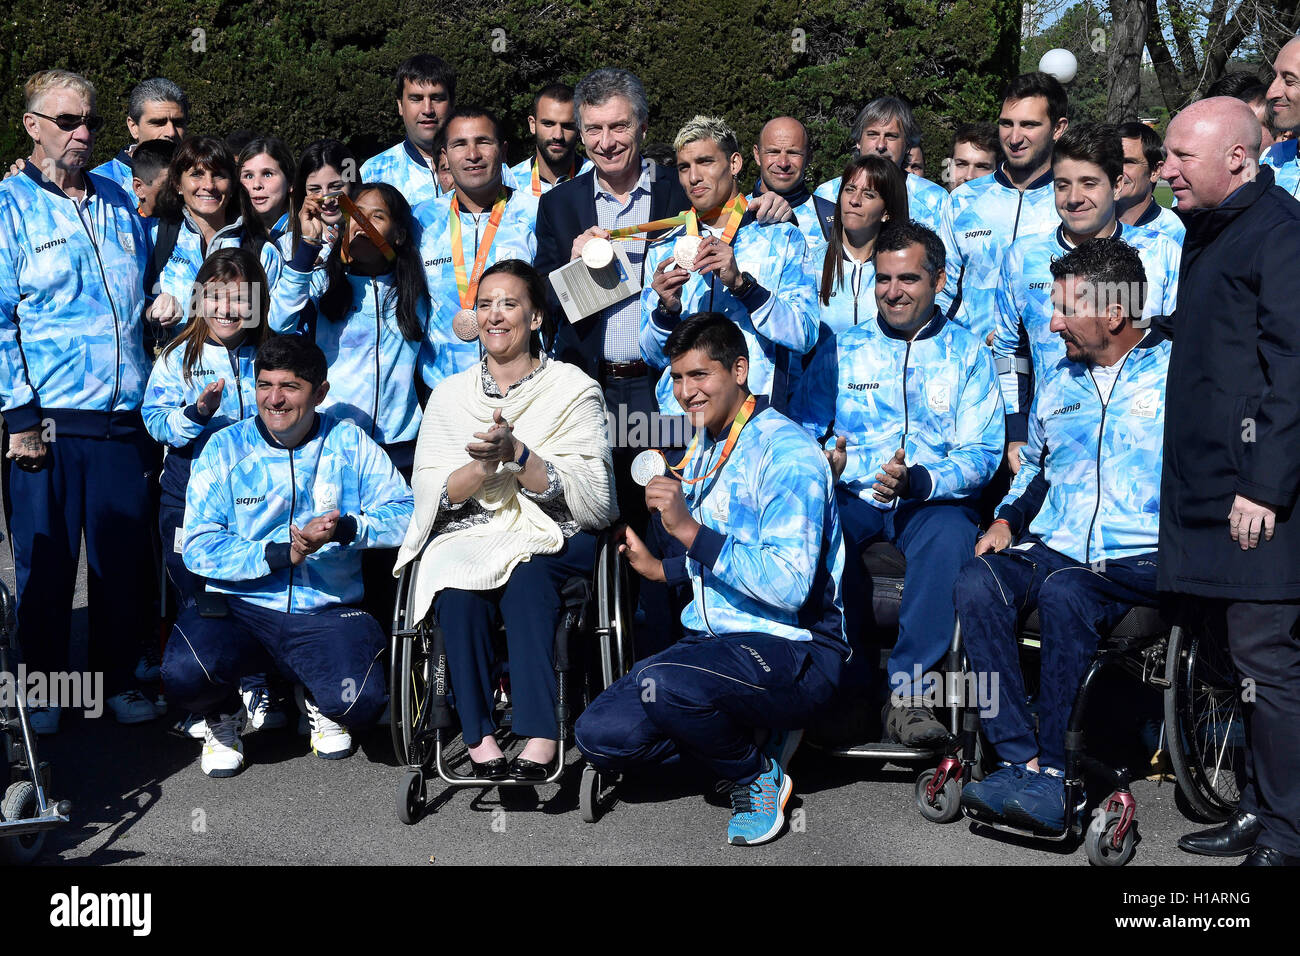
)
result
[(1075, 602)]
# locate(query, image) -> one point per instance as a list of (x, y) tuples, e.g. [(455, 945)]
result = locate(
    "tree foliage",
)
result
[(323, 67)]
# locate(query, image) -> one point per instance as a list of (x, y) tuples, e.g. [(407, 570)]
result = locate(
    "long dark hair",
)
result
[(409, 287), (318, 155), (536, 287), (208, 152), (275, 148), (883, 178), (232, 264)]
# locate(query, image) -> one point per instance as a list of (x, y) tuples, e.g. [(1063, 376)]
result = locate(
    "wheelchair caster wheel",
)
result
[(947, 802), (1098, 842), (410, 798), (20, 804), (589, 794)]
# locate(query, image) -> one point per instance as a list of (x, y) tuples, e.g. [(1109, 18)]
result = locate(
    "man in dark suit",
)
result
[(1228, 536)]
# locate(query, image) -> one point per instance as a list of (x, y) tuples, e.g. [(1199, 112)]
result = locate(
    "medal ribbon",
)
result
[(738, 207), (537, 176), (737, 424), (467, 286), (350, 211)]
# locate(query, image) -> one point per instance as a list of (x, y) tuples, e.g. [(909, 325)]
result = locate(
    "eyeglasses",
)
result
[(70, 121)]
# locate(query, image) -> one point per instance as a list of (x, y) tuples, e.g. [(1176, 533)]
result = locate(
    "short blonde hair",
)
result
[(707, 127), (43, 82)]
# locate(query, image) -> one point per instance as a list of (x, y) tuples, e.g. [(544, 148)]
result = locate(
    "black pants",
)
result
[(1264, 639)]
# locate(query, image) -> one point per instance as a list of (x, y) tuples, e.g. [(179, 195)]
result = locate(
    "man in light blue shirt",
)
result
[(426, 95)]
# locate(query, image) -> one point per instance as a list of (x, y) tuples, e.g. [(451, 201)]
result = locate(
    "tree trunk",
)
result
[(1171, 87), (1128, 34)]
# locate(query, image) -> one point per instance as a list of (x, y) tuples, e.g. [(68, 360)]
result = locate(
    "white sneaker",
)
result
[(44, 720), (191, 725), (223, 751), (131, 707), (259, 705), (329, 740)]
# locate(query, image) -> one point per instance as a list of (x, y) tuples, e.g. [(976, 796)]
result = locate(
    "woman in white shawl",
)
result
[(512, 475)]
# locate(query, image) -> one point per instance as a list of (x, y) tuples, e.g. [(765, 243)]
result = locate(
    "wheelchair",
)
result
[(595, 621), (26, 813), (1202, 734)]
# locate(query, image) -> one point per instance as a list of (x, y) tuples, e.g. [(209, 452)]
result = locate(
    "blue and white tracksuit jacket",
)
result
[(246, 489), (520, 176), (935, 396), (778, 316), (1101, 461), (1286, 165), (178, 275), (769, 555), (853, 302), (372, 368), (170, 414), (1164, 221), (516, 238), (813, 215), (71, 298), (985, 216), (404, 168), (120, 170), (1024, 303)]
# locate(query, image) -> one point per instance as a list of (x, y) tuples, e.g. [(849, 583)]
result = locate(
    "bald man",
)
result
[(1284, 102), (1229, 546), (782, 157)]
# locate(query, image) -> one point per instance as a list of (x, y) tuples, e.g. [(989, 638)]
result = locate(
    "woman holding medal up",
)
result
[(512, 477)]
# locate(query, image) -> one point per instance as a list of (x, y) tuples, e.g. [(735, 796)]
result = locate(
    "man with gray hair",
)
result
[(1229, 545), (887, 126), (157, 109)]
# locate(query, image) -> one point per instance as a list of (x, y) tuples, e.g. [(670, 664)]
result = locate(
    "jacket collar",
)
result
[(34, 173), (760, 403), (928, 331), (1208, 223), (1039, 183), (795, 197), (413, 154), (1065, 244), (1150, 214)]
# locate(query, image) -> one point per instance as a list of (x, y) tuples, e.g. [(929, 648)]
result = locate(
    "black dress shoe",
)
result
[(494, 769), (1234, 838), (523, 769), (1268, 856)]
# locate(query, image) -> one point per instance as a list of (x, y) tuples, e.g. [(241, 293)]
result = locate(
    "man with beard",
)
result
[(555, 133)]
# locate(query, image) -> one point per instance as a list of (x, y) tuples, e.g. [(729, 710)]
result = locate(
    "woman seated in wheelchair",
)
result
[(512, 475)]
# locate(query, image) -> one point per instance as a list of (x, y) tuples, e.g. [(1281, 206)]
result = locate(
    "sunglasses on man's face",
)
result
[(70, 121)]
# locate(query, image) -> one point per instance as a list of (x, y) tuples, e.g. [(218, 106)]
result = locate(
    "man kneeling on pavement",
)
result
[(754, 515), (277, 512), (910, 453), (1096, 433)]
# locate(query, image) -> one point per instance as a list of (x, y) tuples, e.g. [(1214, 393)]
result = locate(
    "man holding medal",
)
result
[(720, 260), (482, 222), (555, 132), (754, 510)]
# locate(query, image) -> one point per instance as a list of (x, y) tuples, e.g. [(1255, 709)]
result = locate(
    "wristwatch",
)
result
[(516, 466), (747, 282)]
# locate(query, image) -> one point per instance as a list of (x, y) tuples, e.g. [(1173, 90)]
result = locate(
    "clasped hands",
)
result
[(495, 446)]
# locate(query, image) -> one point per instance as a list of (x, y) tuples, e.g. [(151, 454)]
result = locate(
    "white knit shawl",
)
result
[(560, 415)]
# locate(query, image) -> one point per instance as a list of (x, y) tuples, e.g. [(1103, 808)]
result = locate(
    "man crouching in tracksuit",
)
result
[(1096, 439), (277, 512), (755, 513)]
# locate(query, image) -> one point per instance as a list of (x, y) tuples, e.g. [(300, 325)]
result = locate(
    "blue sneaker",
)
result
[(758, 808), (987, 797), (1040, 805)]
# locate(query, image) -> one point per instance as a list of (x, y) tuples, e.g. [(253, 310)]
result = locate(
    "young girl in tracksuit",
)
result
[(266, 174), (370, 316), (202, 382), (325, 168)]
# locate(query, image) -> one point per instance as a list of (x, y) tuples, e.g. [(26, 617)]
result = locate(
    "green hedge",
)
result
[(323, 67)]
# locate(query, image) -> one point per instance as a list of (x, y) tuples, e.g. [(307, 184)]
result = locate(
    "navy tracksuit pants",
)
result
[(704, 697), (171, 519), (529, 606), (333, 653), (936, 538), (100, 486), (1075, 602)]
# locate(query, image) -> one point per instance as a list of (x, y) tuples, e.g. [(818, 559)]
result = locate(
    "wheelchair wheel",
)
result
[(411, 797), (20, 804), (589, 794), (1204, 731), (1098, 841), (947, 802)]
